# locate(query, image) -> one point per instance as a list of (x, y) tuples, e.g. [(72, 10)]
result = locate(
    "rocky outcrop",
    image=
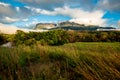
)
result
[(45, 25), (8, 44)]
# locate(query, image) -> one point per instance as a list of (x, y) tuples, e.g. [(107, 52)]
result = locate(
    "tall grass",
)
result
[(74, 61)]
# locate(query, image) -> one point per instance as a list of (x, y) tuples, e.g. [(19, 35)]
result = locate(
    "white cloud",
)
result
[(37, 10), (111, 5), (25, 19), (78, 15), (51, 4), (10, 14), (84, 17), (9, 20), (6, 9), (119, 24), (4, 4), (90, 21), (17, 9)]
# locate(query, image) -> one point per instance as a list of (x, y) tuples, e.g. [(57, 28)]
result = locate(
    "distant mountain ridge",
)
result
[(68, 26), (44, 26)]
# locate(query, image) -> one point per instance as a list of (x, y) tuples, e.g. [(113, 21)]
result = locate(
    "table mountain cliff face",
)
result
[(45, 25), (69, 26)]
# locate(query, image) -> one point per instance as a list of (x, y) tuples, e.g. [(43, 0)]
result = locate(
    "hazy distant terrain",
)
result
[(67, 25)]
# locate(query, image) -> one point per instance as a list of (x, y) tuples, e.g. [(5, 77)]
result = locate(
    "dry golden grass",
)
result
[(74, 61)]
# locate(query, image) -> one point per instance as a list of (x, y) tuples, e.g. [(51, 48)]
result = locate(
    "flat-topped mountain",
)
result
[(68, 26), (45, 25)]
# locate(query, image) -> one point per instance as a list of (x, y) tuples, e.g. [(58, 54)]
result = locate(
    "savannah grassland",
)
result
[(72, 61)]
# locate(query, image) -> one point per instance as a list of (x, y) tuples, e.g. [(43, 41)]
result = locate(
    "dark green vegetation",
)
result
[(60, 37), (56, 37), (73, 61)]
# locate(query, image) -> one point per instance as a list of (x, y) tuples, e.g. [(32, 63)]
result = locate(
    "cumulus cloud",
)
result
[(90, 21), (10, 14), (6, 9), (10, 20), (119, 24), (78, 15), (33, 9), (89, 12), (51, 4), (4, 4), (17, 9), (111, 5), (44, 4)]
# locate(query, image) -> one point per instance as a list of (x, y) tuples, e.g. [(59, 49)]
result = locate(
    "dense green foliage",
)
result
[(60, 37), (94, 36), (73, 61), (57, 37)]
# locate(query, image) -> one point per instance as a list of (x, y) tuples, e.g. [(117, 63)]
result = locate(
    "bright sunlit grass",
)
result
[(73, 61)]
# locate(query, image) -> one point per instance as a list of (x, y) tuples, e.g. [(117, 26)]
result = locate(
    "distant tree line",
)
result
[(60, 37), (94, 36)]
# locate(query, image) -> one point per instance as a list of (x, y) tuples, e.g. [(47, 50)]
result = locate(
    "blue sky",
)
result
[(27, 13)]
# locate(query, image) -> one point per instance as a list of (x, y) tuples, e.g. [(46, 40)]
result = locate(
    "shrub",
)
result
[(30, 41)]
